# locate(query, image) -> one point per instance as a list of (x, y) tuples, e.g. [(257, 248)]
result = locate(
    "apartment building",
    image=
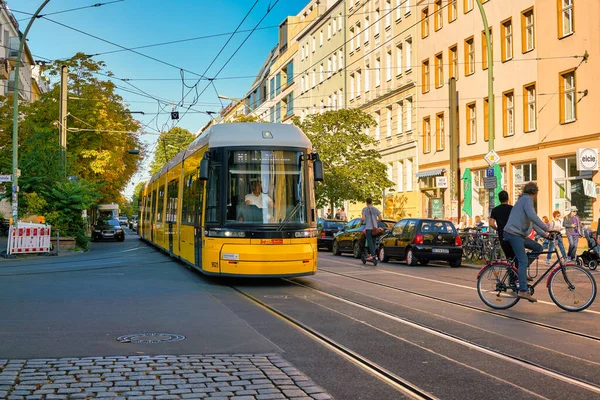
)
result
[(382, 81), (321, 60), (543, 95)]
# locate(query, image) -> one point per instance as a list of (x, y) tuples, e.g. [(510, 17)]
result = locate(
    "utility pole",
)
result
[(453, 96), (64, 79), (490, 63), (15, 143)]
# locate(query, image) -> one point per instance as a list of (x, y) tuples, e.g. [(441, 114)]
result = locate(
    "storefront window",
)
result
[(567, 189), (480, 194), (522, 173)]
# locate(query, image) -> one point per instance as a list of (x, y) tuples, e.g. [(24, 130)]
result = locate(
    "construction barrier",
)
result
[(28, 238)]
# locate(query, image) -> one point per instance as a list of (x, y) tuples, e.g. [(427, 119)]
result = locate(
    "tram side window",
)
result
[(152, 209), (172, 192), (213, 204), (192, 200), (161, 203)]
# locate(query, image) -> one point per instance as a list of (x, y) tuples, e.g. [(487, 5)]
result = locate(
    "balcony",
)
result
[(10, 89)]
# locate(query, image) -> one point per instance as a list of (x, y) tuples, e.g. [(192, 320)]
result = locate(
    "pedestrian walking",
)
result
[(343, 216), (370, 217), (328, 214), (574, 228), (556, 225)]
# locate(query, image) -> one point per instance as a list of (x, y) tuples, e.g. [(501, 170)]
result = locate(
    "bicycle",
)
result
[(497, 283)]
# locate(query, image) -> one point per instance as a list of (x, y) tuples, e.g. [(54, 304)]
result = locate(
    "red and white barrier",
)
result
[(28, 238)]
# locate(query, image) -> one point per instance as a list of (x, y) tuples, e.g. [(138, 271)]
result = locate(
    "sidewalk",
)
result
[(4, 244)]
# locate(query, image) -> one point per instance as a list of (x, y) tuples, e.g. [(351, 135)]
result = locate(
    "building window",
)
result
[(426, 135), (314, 44), (439, 17), (565, 19), (568, 102), (452, 10), (399, 9), (400, 118), (358, 82), (400, 171), (388, 65), (278, 83), (302, 54), (408, 45), (367, 78), (484, 57), (486, 119), (399, 59), (321, 73), (329, 31), (352, 38), (507, 40), (314, 78), (289, 104), (439, 70), (508, 114), (366, 30), (425, 73), (278, 112), (378, 126), (467, 5), (351, 86), (409, 115), (469, 56), (407, 7), (527, 31), (389, 122), (377, 72), (453, 66), (334, 57), (321, 38), (529, 108), (568, 189), (376, 22), (439, 132), (408, 164), (334, 21), (424, 22), (329, 68), (341, 59), (341, 98), (471, 123), (523, 173), (272, 88), (357, 36), (388, 14)]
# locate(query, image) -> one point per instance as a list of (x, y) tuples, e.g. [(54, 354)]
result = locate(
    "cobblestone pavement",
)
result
[(237, 376)]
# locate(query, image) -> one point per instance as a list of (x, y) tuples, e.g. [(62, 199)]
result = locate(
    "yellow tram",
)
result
[(238, 201)]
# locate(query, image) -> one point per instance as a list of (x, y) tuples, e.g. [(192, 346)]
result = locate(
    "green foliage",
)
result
[(352, 170), (33, 204), (246, 118), (66, 202), (137, 196), (170, 143)]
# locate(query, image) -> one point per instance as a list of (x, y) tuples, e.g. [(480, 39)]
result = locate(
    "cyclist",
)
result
[(498, 220), (520, 222), (370, 217)]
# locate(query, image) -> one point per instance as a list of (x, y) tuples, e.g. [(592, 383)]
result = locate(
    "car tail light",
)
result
[(322, 235), (457, 241), (419, 239)]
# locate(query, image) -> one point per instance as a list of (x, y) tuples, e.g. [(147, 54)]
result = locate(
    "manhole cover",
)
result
[(150, 338)]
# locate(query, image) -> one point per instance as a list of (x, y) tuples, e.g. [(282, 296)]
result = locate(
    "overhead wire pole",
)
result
[(491, 111), (15, 178)]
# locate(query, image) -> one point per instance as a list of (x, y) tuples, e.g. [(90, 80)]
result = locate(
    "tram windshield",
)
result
[(266, 187)]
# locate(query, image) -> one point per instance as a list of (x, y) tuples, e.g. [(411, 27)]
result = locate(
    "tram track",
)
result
[(364, 363), (469, 307), (533, 366)]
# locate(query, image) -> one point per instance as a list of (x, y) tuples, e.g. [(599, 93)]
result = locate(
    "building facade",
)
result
[(382, 82), (543, 102)]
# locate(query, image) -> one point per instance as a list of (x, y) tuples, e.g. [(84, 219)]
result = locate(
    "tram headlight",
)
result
[(306, 234), (225, 233)]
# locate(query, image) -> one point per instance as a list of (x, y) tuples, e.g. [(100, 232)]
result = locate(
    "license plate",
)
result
[(440, 251)]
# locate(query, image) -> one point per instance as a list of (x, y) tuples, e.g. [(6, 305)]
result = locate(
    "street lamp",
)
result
[(235, 100), (15, 177)]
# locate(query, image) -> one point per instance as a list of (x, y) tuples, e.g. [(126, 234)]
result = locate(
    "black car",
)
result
[(421, 240), (352, 238), (108, 229), (326, 230)]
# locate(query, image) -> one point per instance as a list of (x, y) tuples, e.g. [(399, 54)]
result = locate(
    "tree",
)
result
[(169, 144), (246, 118), (352, 170)]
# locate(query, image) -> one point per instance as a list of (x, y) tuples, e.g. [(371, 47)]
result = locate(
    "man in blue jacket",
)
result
[(520, 222)]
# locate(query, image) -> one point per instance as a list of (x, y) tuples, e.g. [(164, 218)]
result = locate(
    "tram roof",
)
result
[(241, 134)]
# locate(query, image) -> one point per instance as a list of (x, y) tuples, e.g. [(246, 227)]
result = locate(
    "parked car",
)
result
[(352, 238), (326, 230), (123, 220), (108, 229), (420, 241)]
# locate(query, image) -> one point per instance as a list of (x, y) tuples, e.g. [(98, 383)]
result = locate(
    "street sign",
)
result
[(489, 172), (174, 114), (441, 182), (492, 158), (489, 182), (5, 178)]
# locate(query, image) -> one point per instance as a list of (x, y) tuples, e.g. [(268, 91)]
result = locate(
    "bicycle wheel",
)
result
[(494, 288), (573, 290)]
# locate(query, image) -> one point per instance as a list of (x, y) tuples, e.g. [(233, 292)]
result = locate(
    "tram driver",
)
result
[(254, 204)]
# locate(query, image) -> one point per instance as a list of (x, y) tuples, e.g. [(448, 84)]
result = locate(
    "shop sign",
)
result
[(587, 159), (441, 182), (518, 177), (437, 208)]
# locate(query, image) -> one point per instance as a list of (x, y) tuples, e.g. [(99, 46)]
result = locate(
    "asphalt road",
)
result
[(425, 326)]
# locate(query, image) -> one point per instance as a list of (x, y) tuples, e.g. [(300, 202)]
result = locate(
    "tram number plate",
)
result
[(440, 251), (271, 241)]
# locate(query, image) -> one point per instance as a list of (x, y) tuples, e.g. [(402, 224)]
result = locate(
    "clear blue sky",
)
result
[(132, 23)]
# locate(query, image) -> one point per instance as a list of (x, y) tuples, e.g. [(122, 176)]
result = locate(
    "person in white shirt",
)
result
[(257, 197)]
